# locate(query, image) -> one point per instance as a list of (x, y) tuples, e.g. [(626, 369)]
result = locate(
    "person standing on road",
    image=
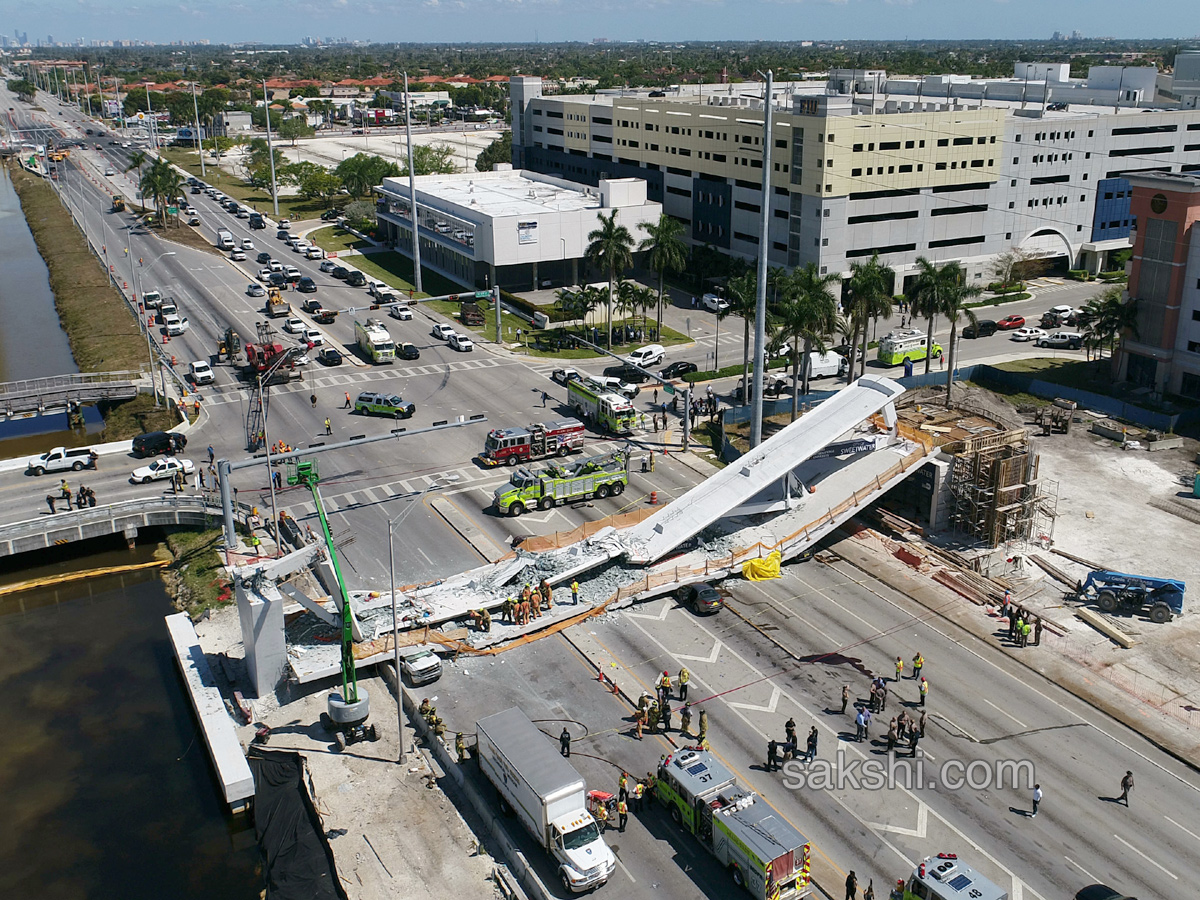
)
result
[(328, 427), (851, 885), (1126, 787), (845, 697), (703, 726), (312, 398), (918, 663), (772, 756), (564, 743), (812, 744), (684, 675), (924, 690), (211, 455), (891, 736), (869, 893), (622, 815), (50, 503), (639, 788), (347, 404), (666, 715), (881, 696), (860, 725), (545, 399), (685, 720), (575, 593), (64, 491), (899, 668), (1037, 799), (789, 728), (921, 722)]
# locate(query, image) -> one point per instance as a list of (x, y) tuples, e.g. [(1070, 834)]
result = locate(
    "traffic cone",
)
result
[(654, 498)]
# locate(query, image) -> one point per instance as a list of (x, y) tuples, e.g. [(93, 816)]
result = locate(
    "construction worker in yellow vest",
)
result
[(684, 676), (623, 784), (601, 815), (899, 668), (575, 593), (664, 683), (924, 690), (918, 662), (622, 815)]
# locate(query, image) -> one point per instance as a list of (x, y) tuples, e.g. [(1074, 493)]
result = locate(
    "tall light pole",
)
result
[(760, 304), (270, 150), (199, 142), (396, 520), (412, 189), (149, 340)]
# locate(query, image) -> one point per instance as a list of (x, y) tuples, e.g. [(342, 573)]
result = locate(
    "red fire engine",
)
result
[(511, 446)]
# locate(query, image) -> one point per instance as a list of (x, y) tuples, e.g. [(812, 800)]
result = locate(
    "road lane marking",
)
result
[(623, 869), (1145, 857), (918, 832), (750, 707), (1090, 876), (1181, 828), (1004, 711)]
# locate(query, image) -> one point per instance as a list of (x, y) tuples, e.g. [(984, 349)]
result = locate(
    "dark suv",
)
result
[(154, 443), (982, 328), (356, 279)]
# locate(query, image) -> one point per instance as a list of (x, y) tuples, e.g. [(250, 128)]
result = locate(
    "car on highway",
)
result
[(1028, 334), (979, 328), (614, 384), (292, 274), (407, 351), (201, 372), (153, 443), (329, 357), (263, 257), (314, 253), (1009, 323), (441, 331), (340, 273), (193, 220), (702, 599), (565, 376), (327, 265), (401, 311), (369, 403), (310, 337), (356, 279), (678, 370), (264, 274), (283, 235), (247, 244), (460, 342), (237, 254), (294, 326), (62, 459), (306, 285), (175, 325), (196, 189), (243, 212), (713, 303), (110, 171), (285, 224), (300, 246), (163, 467), (1094, 891), (277, 279), (1061, 340), (275, 265)]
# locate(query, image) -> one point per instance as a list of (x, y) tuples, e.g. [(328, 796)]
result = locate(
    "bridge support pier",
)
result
[(131, 534)]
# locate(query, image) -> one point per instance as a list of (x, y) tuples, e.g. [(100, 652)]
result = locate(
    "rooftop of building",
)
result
[(512, 192)]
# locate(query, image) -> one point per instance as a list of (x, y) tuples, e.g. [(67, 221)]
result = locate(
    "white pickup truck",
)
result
[(61, 459)]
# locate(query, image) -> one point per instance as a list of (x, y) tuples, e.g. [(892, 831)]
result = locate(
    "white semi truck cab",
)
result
[(547, 795)]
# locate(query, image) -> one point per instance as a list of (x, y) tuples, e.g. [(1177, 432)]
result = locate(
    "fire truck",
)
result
[(943, 877), (510, 446), (605, 410), (763, 852), (597, 476)]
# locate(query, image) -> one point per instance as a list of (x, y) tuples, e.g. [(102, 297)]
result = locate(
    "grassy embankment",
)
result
[(104, 336)]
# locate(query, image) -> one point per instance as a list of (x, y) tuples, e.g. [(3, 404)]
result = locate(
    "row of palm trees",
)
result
[(160, 182)]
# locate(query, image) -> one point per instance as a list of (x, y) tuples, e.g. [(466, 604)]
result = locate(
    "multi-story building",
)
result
[(944, 167), (1163, 353)]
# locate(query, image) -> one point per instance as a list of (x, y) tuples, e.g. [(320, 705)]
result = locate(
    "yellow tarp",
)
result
[(762, 569)]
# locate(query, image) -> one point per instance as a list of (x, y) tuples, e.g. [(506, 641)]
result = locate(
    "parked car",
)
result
[(153, 443), (330, 214), (1028, 334), (713, 303), (1061, 340), (650, 355), (255, 290), (460, 342), (420, 665), (1101, 892), (1008, 323), (340, 273), (1062, 311), (62, 459), (678, 370), (306, 285), (327, 265), (164, 467), (980, 328), (176, 325), (329, 357), (356, 279), (201, 372), (702, 598), (441, 331)]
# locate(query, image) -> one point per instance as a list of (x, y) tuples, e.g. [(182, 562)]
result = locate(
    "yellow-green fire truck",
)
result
[(597, 476), (764, 852), (599, 408), (944, 877)]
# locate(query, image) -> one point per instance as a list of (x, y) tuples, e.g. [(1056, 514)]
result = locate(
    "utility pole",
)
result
[(412, 193), (270, 150), (199, 142), (760, 304)]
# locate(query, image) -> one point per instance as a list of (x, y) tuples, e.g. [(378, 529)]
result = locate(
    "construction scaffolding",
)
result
[(997, 495)]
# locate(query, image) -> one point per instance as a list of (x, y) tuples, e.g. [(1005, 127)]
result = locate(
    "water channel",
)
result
[(106, 781)]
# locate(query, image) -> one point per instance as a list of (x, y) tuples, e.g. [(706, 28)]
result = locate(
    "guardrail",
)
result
[(123, 517)]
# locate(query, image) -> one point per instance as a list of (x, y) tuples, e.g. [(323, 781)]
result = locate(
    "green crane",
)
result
[(347, 714)]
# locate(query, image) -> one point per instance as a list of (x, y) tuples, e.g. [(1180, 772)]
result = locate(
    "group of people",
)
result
[(1021, 623), (83, 498), (905, 729), (428, 712), (654, 711), (788, 748), (533, 602), (629, 796)]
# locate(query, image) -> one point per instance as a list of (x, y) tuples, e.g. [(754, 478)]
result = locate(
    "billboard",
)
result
[(527, 232)]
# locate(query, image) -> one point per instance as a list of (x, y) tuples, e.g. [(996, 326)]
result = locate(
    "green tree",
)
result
[(361, 213), (668, 252), (23, 88), (1111, 318), (928, 296), (610, 247), (137, 159), (742, 294), (807, 317), (954, 307), (295, 127), (361, 172), (259, 119), (496, 152), (316, 182), (869, 291), (431, 159)]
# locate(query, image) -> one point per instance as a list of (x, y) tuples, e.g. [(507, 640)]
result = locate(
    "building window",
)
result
[(855, 173)]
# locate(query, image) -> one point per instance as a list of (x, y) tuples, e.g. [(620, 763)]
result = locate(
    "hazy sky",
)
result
[(224, 21)]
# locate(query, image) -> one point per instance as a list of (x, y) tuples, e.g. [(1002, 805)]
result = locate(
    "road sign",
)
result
[(669, 388), (172, 210), (483, 295)]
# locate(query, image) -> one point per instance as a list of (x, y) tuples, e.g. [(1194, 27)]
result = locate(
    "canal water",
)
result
[(106, 782)]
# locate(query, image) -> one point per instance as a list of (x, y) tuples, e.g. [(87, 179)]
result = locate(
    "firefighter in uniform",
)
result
[(460, 747), (684, 676)]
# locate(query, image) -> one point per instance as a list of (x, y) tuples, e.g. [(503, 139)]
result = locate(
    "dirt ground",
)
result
[(393, 831)]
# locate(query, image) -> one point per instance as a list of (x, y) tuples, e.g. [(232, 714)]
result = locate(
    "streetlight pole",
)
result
[(760, 304), (270, 150), (396, 520), (412, 189), (149, 342), (199, 142)]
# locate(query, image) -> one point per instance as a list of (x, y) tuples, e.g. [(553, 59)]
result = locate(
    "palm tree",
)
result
[(171, 185), (137, 159), (627, 299), (1111, 317), (611, 248), (742, 294), (928, 295), (870, 297), (148, 184), (808, 316), (668, 252), (777, 277), (953, 307)]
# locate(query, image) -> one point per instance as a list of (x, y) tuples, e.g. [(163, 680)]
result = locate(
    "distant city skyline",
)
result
[(525, 21)]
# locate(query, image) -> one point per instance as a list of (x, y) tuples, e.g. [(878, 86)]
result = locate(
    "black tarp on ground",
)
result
[(299, 861)]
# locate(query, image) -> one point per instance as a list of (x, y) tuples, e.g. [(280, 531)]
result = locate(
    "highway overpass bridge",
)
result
[(35, 396)]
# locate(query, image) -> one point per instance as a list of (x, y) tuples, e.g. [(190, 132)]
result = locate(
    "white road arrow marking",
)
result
[(769, 708)]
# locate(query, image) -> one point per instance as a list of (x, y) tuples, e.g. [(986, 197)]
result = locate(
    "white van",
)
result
[(650, 355), (224, 240), (151, 299), (826, 365)]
